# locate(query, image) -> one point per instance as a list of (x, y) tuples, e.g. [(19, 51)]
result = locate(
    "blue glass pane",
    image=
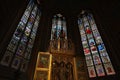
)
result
[(79, 21), (16, 62), (89, 16), (101, 47), (24, 39), (19, 30), (91, 42), (24, 19), (21, 25), (29, 25)]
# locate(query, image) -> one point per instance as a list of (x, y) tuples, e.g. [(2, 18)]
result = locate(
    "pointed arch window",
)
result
[(58, 27), (97, 59), (58, 33), (59, 42), (19, 49)]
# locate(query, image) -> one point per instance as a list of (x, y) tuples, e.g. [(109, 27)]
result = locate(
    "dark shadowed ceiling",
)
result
[(74, 6), (66, 6)]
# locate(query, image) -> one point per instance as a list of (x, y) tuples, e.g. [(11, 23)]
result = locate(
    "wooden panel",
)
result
[(43, 66)]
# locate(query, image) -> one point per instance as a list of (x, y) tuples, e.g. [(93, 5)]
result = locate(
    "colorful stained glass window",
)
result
[(19, 48), (59, 33), (97, 59), (58, 27)]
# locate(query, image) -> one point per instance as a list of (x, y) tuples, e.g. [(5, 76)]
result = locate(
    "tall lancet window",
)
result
[(97, 59), (58, 27), (18, 51), (59, 32)]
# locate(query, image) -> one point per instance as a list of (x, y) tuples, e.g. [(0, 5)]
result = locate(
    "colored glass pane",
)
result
[(93, 46)]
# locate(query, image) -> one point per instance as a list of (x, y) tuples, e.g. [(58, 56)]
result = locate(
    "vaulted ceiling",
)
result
[(67, 6)]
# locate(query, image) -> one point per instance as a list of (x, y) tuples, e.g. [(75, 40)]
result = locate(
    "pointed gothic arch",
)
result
[(96, 55)]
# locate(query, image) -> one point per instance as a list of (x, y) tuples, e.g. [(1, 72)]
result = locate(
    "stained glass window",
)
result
[(58, 33), (97, 59), (18, 51), (58, 27)]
